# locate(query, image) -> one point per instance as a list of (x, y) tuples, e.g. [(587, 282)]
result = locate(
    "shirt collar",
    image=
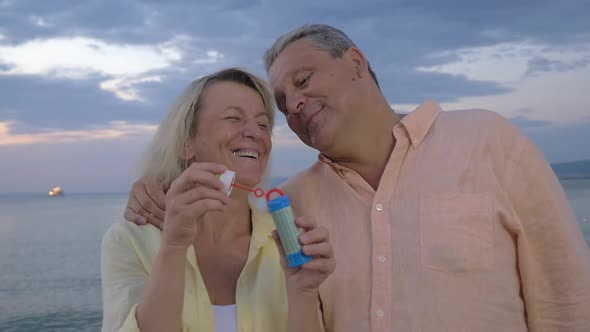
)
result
[(262, 226), (419, 122)]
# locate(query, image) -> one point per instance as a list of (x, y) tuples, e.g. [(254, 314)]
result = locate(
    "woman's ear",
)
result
[(188, 153)]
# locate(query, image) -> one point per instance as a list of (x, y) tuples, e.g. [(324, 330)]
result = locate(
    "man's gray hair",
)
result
[(321, 36)]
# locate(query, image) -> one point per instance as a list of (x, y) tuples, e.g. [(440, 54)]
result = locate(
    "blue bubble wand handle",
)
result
[(284, 219)]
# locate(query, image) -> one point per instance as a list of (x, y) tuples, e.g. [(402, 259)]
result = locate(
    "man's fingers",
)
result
[(133, 217), (138, 214), (140, 194), (323, 249), (159, 223), (156, 191), (320, 265), (316, 235), (134, 209), (306, 223)]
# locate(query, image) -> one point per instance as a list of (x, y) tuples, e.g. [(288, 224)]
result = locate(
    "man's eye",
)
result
[(303, 81)]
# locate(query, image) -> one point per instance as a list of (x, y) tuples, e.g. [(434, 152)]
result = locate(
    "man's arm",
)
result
[(554, 260)]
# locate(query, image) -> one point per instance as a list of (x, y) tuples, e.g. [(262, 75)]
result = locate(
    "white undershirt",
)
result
[(225, 318)]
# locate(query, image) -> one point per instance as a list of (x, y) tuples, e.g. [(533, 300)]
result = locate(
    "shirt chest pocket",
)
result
[(457, 232)]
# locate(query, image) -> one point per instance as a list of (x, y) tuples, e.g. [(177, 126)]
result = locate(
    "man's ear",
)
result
[(361, 66)]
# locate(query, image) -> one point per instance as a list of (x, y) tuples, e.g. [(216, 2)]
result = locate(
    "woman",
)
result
[(214, 266)]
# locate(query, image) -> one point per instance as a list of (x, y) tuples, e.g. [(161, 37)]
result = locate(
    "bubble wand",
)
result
[(282, 215)]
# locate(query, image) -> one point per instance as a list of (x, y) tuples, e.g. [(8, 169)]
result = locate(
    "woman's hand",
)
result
[(195, 192)]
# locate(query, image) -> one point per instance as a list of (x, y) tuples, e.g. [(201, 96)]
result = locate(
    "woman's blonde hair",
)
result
[(164, 159)]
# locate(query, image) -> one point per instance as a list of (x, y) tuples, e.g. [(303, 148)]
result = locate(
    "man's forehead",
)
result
[(283, 67), (295, 57)]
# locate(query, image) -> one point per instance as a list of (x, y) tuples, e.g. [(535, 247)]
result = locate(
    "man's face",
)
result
[(316, 92)]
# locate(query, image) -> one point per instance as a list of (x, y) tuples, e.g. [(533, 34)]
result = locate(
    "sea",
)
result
[(50, 256)]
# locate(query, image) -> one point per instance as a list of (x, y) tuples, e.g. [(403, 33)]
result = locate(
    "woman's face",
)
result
[(233, 129)]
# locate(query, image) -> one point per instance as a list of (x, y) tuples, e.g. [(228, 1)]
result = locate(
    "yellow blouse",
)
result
[(129, 251)]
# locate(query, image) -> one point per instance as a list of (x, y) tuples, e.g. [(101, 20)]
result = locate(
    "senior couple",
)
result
[(431, 221)]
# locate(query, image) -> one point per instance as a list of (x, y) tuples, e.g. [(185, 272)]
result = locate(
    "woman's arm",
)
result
[(194, 193), (160, 306)]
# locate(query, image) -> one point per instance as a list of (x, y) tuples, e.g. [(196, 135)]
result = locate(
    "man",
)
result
[(440, 221)]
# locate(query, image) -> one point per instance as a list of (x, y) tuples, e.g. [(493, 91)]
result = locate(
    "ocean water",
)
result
[(50, 264)]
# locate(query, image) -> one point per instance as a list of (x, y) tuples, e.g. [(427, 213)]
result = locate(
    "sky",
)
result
[(84, 84)]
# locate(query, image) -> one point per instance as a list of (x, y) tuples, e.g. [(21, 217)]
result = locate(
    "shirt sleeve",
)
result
[(553, 258), (123, 278)]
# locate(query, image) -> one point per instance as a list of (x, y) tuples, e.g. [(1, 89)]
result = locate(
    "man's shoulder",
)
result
[(305, 178), (474, 117), (478, 122), (478, 129)]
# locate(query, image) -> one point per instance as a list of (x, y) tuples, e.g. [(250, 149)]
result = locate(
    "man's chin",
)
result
[(319, 143)]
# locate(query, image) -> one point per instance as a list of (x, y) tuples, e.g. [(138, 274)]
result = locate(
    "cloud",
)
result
[(212, 57), (39, 21), (116, 130), (516, 60), (125, 88), (406, 85), (122, 66), (524, 122), (39, 103), (538, 65), (80, 57), (560, 97), (562, 143), (469, 55)]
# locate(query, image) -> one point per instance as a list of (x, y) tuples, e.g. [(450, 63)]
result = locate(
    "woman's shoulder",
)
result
[(128, 233)]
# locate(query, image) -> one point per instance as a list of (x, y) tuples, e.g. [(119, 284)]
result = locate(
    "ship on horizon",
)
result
[(56, 192)]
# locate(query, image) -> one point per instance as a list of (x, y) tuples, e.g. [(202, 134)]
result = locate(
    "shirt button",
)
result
[(382, 259), (379, 313), (379, 207)]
